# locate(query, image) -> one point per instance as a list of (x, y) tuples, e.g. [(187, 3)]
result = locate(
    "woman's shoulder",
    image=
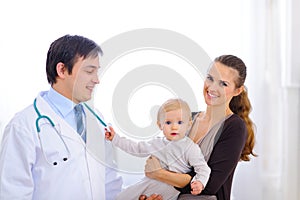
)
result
[(195, 114), (235, 119), (234, 125)]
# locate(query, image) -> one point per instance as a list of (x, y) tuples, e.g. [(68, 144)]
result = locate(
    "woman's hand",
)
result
[(153, 170), (152, 167), (152, 197), (196, 187)]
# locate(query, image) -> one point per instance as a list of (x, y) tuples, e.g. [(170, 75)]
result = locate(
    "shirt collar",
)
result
[(63, 105)]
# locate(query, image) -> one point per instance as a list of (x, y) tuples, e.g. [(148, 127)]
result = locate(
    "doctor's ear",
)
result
[(61, 70)]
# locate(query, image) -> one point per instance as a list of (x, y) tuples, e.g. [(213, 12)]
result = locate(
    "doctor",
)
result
[(44, 156)]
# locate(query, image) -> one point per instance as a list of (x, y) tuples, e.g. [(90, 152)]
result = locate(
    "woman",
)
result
[(224, 131)]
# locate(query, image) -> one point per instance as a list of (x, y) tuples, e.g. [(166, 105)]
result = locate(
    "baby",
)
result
[(176, 151)]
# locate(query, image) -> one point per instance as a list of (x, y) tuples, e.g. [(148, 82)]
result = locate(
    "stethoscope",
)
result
[(40, 116)]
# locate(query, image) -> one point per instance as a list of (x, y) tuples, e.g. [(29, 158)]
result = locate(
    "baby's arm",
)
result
[(135, 148), (201, 168)]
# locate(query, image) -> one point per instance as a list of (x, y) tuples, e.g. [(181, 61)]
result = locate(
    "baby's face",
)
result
[(175, 124)]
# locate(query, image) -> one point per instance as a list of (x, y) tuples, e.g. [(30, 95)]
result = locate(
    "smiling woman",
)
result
[(224, 131)]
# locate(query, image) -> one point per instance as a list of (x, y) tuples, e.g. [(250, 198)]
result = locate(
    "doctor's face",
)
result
[(83, 79)]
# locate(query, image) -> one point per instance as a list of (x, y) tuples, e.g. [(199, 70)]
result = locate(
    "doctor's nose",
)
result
[(96, 80)]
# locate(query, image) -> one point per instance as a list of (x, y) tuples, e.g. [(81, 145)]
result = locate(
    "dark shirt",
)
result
[(224, 159)]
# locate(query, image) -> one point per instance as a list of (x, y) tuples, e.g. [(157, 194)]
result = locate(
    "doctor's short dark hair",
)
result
[(68, 49)]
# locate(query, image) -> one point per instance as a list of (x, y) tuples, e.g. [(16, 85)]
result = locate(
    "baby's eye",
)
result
[(168, 122), (180, 122)]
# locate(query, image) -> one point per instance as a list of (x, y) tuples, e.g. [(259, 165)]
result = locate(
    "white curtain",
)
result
[(274, 91)]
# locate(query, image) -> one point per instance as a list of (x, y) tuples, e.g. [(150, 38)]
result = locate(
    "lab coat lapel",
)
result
[(95, 140), (95, 146), (64, 128)]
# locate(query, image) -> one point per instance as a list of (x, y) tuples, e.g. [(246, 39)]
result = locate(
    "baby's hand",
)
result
[(197, 187), (109, 134)]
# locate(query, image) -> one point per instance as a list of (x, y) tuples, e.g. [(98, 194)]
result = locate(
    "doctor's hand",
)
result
[(152, 167), (152, 197), (109, 134)]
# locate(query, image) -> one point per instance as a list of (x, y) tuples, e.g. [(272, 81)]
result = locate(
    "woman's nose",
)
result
[(212, 86)]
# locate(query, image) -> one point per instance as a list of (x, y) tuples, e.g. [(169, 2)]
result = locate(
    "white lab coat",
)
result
[(25, 174)]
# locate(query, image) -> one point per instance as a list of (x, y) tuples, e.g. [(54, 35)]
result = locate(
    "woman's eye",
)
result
[(209, 78), (223, 84)]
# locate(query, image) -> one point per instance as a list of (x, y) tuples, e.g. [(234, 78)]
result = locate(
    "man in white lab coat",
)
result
[(43, 155)]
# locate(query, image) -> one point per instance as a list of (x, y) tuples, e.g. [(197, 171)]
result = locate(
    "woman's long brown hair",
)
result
[(240, 104)]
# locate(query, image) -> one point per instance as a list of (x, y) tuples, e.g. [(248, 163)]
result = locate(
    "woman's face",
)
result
[(219, 85)]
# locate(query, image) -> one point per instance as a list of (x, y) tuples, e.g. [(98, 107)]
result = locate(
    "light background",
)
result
[(260, 32)]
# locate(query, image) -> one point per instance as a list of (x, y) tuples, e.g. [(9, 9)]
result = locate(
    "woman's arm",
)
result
[(224, 158), (153, 170), (226, 155)]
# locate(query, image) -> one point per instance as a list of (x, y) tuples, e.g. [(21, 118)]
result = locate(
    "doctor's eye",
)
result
[(89, 71)]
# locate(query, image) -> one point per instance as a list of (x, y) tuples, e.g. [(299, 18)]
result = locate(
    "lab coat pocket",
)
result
[(53, 148)]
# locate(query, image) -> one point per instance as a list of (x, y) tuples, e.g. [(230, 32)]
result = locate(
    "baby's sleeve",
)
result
[(197, 161)]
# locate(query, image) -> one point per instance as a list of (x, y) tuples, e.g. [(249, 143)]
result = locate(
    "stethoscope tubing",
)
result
[(40, 116), (97, 116)]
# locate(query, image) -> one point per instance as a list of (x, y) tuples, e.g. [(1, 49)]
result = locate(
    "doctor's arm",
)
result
[(16, 159)]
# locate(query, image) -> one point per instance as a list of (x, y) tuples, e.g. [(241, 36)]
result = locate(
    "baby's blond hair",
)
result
[(174, 104)]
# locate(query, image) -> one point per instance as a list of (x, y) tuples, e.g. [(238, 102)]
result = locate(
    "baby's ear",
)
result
[(159, 125)]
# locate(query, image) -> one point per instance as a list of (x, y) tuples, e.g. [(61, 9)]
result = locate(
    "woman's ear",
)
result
[(239, 90), (61, 70), (190, 122)]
